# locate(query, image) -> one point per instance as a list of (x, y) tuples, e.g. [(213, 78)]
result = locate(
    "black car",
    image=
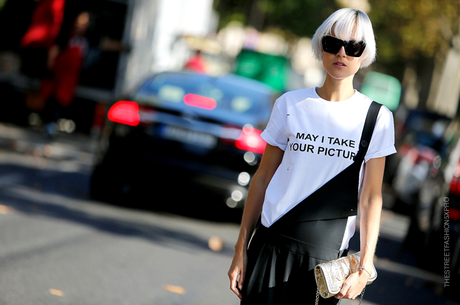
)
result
[(181, 130)]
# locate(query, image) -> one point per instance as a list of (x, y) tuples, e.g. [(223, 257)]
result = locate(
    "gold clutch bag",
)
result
[(331, 275)]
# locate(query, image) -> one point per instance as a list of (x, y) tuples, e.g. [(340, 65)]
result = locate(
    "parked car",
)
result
[(183, 130), (421, 148), (435, 222)]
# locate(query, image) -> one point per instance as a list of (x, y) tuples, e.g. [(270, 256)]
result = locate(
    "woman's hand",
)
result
[(236, 272), (353, 285)]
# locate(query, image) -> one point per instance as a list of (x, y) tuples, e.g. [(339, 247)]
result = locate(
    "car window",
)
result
[(203, 92), (170, 93)]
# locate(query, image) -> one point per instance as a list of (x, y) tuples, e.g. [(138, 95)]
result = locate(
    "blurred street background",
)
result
[(129, 133)]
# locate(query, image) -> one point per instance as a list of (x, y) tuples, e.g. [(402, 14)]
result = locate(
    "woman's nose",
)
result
[(341, 52)]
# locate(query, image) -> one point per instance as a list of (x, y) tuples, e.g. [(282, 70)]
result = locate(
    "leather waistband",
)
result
[(272, 237)]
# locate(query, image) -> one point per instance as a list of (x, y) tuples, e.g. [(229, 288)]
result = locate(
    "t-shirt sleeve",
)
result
[(383, 139), (275, 132)]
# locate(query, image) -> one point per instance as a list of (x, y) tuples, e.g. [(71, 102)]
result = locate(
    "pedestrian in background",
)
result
[(313, 165), (66, 59), (41, 36)]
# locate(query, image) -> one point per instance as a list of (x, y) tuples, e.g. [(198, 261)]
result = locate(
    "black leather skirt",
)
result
[(281, 260)]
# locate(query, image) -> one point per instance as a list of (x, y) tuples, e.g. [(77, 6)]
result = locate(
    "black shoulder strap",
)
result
[(338, 197), (368, 129)]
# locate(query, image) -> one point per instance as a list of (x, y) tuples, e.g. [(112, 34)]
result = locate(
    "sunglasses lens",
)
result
[(331, 44), (352, 48)]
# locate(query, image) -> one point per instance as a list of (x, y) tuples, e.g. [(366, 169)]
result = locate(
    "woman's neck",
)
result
[(336, 90)]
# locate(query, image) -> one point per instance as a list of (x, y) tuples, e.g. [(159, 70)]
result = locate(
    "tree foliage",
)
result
[(299, 17), (302, 18), (406, 30), (411, 29)]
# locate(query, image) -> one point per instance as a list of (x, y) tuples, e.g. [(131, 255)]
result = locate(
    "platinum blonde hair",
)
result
[(347, 24)]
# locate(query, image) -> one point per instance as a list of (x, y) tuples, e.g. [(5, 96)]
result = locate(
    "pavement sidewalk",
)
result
[(33, 141)]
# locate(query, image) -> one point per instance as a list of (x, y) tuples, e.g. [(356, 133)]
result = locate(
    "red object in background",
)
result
[(99, 116), (251, 140), (455, 182), (196, 63), (45, 25), (66, 70), (455, 186), (125, 112), (454, 214), (248, 138), (200, 101)]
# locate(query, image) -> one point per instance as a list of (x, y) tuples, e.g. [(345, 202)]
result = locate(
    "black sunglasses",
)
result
[(352, 47)]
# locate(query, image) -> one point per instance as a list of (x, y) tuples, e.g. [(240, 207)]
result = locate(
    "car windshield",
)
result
[(204, 93)]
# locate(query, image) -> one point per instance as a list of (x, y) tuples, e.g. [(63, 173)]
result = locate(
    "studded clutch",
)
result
[(331, 275)]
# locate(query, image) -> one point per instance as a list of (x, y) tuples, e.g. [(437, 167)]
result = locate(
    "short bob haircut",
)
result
[(347, 24)]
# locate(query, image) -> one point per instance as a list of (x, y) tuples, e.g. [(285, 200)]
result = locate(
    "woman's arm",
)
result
[(270, 161), (370, 207)]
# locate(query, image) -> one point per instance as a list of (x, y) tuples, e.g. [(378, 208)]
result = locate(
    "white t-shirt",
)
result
[(319, 139)]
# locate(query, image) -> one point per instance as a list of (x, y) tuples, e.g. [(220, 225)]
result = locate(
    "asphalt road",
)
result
[(57, 246)]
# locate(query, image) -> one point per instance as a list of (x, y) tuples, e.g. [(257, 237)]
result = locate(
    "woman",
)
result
[(314, 162)]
